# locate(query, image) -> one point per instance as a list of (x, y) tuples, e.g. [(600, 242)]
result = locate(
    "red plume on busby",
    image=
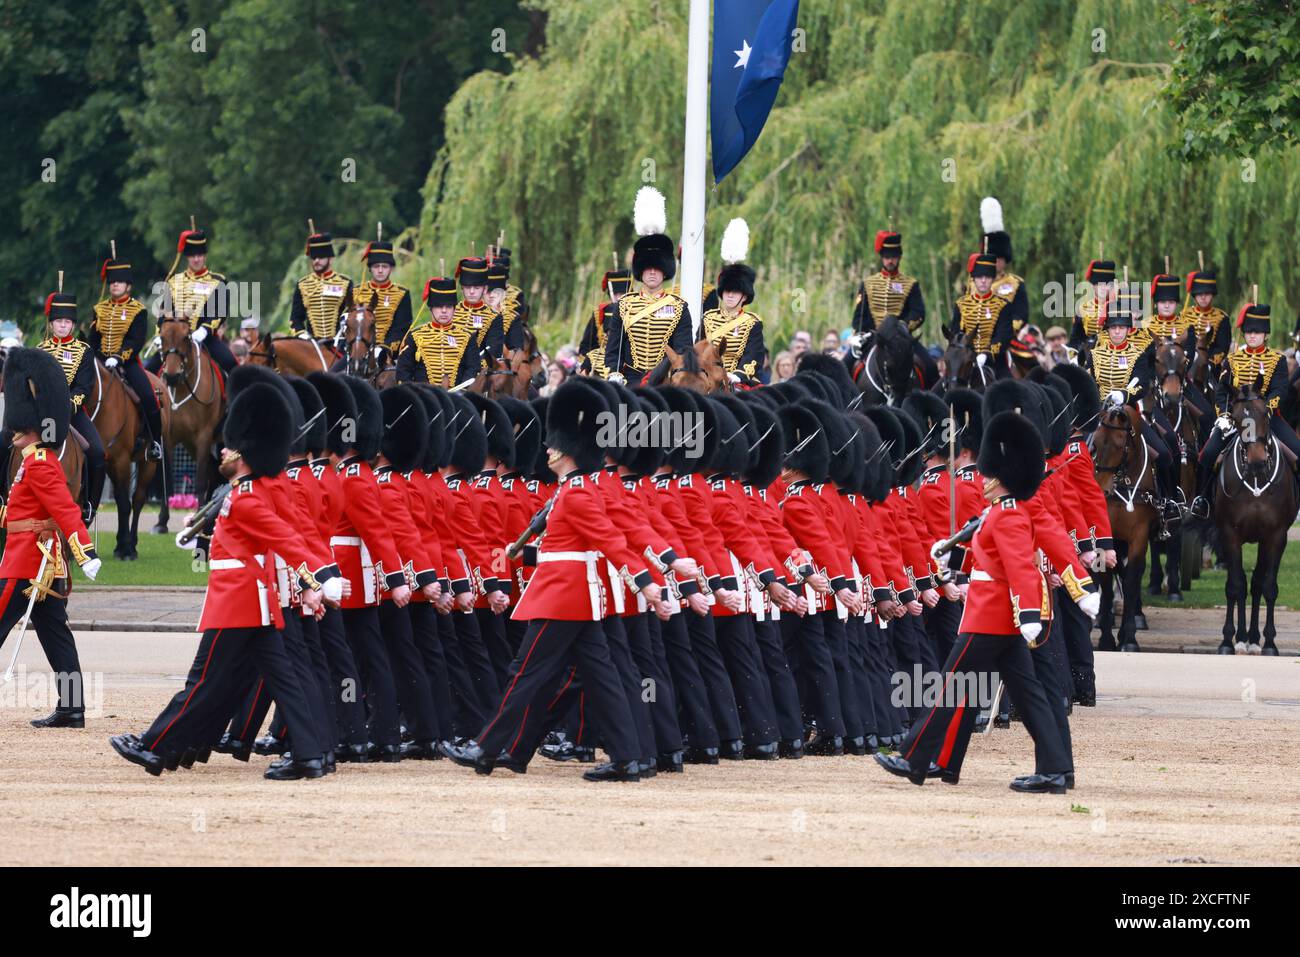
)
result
[(186, 235), (1191, 277), (880, 238), (888, 243), (49, 302), (970, 263), (1254, 317)]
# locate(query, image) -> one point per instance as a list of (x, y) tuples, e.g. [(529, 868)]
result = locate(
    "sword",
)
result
[(993, 711), (27, 616)]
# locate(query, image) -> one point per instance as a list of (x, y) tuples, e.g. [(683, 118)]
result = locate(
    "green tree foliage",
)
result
[(895, 112), (1236, 76)]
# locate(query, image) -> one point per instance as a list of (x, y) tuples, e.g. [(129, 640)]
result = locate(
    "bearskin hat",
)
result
[(541, 471), (1009, 395), (1057, 409), (789, 391), (876, 469), (469, 435), (1012, 453), (839, 436), (434, 422), (571, 424), (820, 387), (241, 377), (768, 448), (496, 423), (259, 427), (808, 450), (737, 277), (736, 440), (930, 413), (833, 369), (340, 409), (698, 441), (652, 454), (913, 461), (370, 417), (527, 432), (890, 429), (1083, 389), (613, 441), (313, 414), (965, 405), (405, 434), (36, 395)]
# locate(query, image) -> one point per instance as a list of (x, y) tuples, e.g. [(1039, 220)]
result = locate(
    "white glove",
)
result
[(200, 334), (856, 340), (157, 342), (91, 568), (1031, 631), (111, 362), (981, 359), (333, 589), (1090, 603), (1115, 397), (618, 378), (1223, 424), (304, 334), (379, 352), (733, 378), (180, 545)]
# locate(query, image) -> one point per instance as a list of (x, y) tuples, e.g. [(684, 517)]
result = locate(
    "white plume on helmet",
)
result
[(991, 215), (650, 213), (735, 242)]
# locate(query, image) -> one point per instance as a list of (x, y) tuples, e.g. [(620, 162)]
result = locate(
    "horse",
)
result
[(197, 399), (116, 416), (699, 369), (1256, 502), (290, 355), (516, 374), (1124, 468), (1171, 560), (962, 366), (887, 371)]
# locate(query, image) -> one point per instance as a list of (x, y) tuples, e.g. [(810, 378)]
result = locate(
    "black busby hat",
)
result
[(967, 418), (693, 442), (1166, 288), (469, 436), (653, 249), (440, 291), (259, 426), (442, 422), (621, 405), (731, 456), (192, 242), (434, 422), (115, 270), (739, 442), (982, 264), (498, 427), (875, 469), (833, 369), (1086, 401), (807, 449), (370, 417), (36, 395), (738, 277), (890, 429), (1201, 281), (653, 453), (247, 375), (497, 275), (930, 413), (616, 282), (541, 471), (1009, 395), (472, 271), (889, 243), (61, 305), (571, 424), (1253, 318), (405, 430), (1100, 270), (319, 246), (839, 436), (913, 463), (527, 432), (996, 239), (768, 449), (1012, 453), (313, 412), (819, 387), (378, 253), (340, 410)]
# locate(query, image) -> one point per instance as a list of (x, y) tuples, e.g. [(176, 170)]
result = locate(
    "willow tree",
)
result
[(892, 113)]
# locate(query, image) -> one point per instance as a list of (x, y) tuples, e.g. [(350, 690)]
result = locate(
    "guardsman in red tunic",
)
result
[(1004, 613), (241, 620), (564, 604), (39, 510)]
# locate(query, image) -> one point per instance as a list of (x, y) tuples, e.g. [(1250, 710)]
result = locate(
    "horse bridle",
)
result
[(184, 355)]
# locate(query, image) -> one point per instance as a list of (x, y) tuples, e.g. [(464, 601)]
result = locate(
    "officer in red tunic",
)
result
[(1004, 612), (241, 620), (564, 604), (39, 509)]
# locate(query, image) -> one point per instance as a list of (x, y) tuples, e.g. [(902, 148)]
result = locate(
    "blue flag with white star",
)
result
[(751, 47)]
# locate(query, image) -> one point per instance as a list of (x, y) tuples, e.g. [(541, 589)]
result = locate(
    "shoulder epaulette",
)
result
[(40, 455), (353, 469), (245, 486), (1008, 503)]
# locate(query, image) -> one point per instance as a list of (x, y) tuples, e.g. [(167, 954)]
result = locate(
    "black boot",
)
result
[(61, 719), (153, 451)]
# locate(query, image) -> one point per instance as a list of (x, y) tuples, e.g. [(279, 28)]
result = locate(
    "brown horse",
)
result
[(116, 416), (699, 369), (523, 366), (1171, 560), (1125, 470), (962, 366), (196, 400), (1256, 502)]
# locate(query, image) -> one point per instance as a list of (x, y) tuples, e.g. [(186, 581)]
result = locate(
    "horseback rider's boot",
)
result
[(1204, 490), (1171, 502), (95, 490), (153, 426)]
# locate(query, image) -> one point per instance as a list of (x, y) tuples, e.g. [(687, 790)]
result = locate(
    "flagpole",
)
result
[(693, 185)]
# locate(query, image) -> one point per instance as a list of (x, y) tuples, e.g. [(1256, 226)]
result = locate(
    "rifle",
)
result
[(535, 527), (204, 518)]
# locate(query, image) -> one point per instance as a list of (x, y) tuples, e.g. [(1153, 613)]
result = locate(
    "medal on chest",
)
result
[(896, 287), (331, 289), (1005, 289)]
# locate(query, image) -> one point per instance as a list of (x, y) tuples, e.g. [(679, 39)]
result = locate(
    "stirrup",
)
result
[(153, 450), (1200, 507)]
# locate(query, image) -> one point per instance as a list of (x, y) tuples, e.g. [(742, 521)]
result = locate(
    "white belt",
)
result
[(565, 556), (979, 575), (595, 588), (226, 564), (353, 540)]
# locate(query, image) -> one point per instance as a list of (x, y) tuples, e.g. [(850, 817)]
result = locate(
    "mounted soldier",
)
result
[(498, 298), (442, 351), (475, 314), (390, 302), (322, 296), (736, 333), (651, 320), (1090, 316), (890, 292), (1006, 284), (199, 295), (984, 318), (116, 334), (616, 283)]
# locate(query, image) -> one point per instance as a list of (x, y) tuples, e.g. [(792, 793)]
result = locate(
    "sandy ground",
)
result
[(1186, 759)]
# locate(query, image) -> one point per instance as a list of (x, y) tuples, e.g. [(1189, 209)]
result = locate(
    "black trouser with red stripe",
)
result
[(748, 677), (478, 663), (882, 665), (695, 712), (255, 702), (493, 629), (469, 710), (1076, 642), (977, 661), (860, 673), (219, 669), (50, 620), (543, 664), (838, 644)]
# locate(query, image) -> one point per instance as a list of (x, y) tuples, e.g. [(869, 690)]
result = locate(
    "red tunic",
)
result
[(39, 492), (364, 555), (1007, 589)]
